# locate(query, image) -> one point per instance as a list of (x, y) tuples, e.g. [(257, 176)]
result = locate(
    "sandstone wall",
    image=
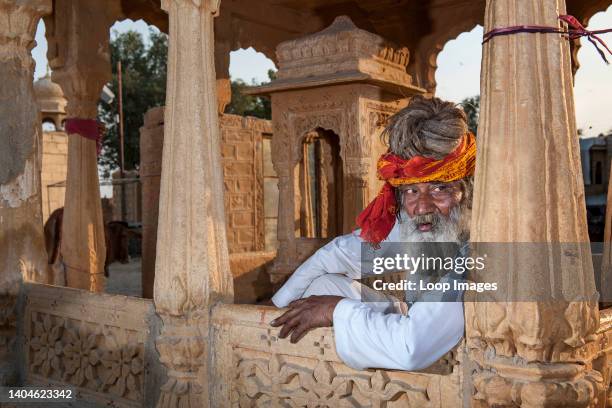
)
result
[(241, 154), (53, 170)]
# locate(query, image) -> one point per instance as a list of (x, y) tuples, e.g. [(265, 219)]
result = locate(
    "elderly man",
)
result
[(426, 198)]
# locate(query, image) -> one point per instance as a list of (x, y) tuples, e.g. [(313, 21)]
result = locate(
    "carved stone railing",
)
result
[(100, 345), (264, 370), (103, 346)]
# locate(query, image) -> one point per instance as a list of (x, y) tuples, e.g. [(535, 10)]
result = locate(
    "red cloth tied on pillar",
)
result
[(575, 30), (87, 128), (377, 220)]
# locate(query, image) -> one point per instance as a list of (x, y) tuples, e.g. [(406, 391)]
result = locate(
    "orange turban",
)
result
[(377, 220)]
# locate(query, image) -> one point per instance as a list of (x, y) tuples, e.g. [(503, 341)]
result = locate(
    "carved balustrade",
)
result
[(263, 370), (99, 345)]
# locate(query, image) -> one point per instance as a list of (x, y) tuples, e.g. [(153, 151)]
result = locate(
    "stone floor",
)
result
[(125, 279)]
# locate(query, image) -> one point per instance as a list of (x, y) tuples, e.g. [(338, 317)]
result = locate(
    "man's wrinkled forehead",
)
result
[(429, 184)]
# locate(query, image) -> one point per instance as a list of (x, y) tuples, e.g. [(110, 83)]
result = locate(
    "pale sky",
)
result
[(458, 73)]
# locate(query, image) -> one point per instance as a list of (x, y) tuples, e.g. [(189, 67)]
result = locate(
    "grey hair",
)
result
[(427, 127)]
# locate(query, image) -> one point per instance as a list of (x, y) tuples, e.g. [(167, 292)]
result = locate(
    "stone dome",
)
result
[(44, 88), (50, 96)]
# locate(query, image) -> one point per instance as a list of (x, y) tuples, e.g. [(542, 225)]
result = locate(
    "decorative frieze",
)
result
[(99, 344), (266, 370)]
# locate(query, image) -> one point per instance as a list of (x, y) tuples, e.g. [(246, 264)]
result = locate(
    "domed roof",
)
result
[(49, 96), (45, 88)]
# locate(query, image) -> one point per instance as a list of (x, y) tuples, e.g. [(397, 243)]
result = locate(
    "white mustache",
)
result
[(444, 228)]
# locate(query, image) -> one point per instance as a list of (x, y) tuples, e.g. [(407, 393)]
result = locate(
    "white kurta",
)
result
[(367, 337)]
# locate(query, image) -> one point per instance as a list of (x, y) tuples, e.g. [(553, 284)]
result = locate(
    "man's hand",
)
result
[(306, 314)]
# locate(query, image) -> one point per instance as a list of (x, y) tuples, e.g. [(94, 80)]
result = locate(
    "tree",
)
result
[(248, 105), (471, 106), (144, 87)]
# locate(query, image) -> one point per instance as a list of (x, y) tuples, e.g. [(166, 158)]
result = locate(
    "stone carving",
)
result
[(322, 77), (22, 249), (192, 267), (46, 345), (517, 344), (16, 101), (8, 326), (182, 350), (343, 49), (124, 362), (339, 109), (305, 121), (266, 370), (103, 357)]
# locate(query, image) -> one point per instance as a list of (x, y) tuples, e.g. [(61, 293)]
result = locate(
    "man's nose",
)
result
[(425, 204)]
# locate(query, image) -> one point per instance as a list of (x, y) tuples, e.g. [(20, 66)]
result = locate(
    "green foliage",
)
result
[(248, 105), (471, 106), (144, 87)]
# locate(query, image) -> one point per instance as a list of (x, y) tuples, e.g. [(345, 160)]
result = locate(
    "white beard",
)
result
[(450, 232), (447, 229)]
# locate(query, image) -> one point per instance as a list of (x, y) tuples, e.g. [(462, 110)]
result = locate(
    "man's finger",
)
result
[(284, 317), (289, 326), (300, 332)]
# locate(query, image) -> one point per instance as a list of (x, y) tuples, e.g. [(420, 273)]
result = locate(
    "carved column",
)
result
[(192, 266), (284, 161), (80, 60), (356, 192), (22, 249), (528, 189)]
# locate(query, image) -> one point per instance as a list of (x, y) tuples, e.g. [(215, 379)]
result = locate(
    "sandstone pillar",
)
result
[(356, 196), (81, 66), (22, 249), (151, 144), (286, 218), (528, 189), (192, 267)]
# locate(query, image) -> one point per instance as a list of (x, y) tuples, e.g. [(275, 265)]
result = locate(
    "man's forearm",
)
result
[(369, 339)]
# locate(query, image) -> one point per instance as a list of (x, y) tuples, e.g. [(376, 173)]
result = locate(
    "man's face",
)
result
[(427, 202)]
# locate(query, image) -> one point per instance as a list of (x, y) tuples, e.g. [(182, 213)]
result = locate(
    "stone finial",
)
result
[(339, 54), (340, 48)]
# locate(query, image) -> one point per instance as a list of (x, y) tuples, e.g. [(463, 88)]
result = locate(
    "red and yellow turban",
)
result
[(377, 220)]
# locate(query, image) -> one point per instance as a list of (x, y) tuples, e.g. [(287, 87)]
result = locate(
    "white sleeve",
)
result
[(369, 339), (341, 255)]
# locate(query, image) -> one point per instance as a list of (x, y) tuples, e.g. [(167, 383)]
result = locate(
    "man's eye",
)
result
[(440, 188), (410, 191)]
